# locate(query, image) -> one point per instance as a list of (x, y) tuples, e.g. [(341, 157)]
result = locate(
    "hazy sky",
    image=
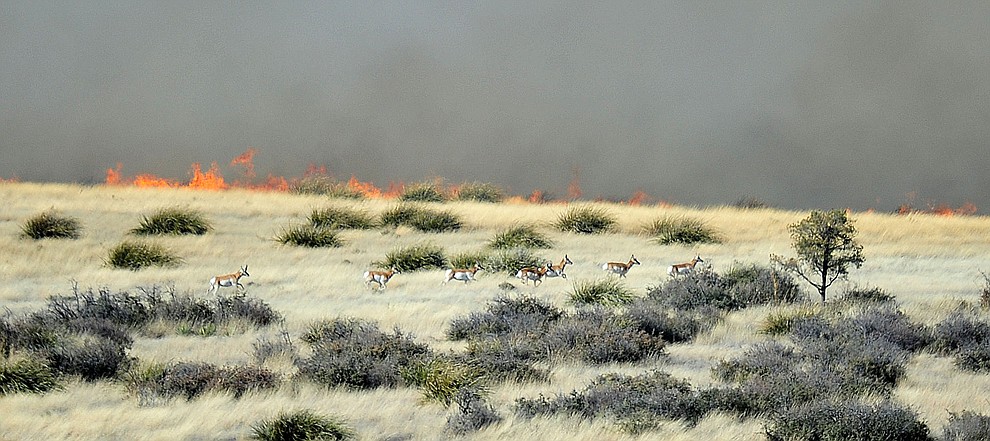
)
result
[(802, 104)]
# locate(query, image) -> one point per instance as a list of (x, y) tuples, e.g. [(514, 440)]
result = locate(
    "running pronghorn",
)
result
[(380, 277), (228, 280), (620, 268), (558, 270), (535, 274), (684, 268), (467, 275)]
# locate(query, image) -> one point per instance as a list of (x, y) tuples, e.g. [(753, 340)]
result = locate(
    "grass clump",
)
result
[(190, 380), (510, 261), (473, 413), (135, 255), (680, 230), (301, 425), (310, 236), (480, 192), (423, 192), (51, 225), (341, 218), (326, 186), (520, 236), (441, 378), (173, 221), (421, 218), (607, 292), (26, 375), (415, 257), (586, 220), (782, 322)]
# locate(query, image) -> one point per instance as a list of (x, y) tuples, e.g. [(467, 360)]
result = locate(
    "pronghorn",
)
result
[(620, 268), (533, 273), (380, 277), (228, 280), (684, 268), (558, 270), (467, 275)]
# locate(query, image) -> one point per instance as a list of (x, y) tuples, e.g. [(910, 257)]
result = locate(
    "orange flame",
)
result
[(574, 187), (247, 160), (639, 198), (536, 197), (365, 188), (211, 180), (152, 181), (113, 176)]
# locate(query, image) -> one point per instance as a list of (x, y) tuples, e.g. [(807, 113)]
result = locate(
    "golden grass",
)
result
[(929, 263)]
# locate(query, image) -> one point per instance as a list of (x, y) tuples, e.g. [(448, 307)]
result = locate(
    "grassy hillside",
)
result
[(929, 263)]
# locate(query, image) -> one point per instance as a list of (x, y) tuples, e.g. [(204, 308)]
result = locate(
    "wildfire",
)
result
[(966, 209)]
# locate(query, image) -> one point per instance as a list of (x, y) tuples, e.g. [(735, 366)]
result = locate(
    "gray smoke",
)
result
[(803, 104)]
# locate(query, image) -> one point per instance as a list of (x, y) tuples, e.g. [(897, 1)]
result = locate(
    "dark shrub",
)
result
[(341, 218), (506, 359), (607, 292), (751, 203), (401, 214), (847, 421), (600, 336), (637, 402), (586, 220), (510, 261), (703, 288), (433, 221), (174, 221), (303, 425), (959, 331), (890, 324), (137, 255), (473, 413), (90, 358), (480, 192), (673, 326), (469, 259), (974, 358), (680, 230), (413, 258), (423, 192), (755, 285), (520, 236), (189, 380), (325, 185), (764, 359), (266, 348), (354, 353), (504, 315), (26, 375), (866, 296), (966, 426), (51, 225), (310, 236)]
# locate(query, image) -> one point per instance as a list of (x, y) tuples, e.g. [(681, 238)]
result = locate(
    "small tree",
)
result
[(826, 246)]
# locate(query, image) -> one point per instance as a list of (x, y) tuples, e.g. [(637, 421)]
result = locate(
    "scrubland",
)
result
[(931, 264)]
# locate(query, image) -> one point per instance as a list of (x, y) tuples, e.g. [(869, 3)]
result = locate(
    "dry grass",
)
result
[(929, 263)]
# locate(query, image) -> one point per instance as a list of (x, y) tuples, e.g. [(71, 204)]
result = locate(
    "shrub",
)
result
[(755, 285), (847, 421), (190, 380), (469, 259), (26, 375), (480, 192), (423, 192), (505, 315), (267, 348), (302, 425), (310, 236), (601, 336), (473, 413), (889, 324), (671, 325), (966, 426), (586, 220), (413, 258), (751, 203), (400, 215), (866, 296), (91, 358), (340, 218), (354, 353), (703, 288), (512, 260), (680, 230), (974, 358), (51, 225), (136, 255), (432, 221), (173, 221), (505, 359), (959, 331), (441, 378), (607, 292), (781, 323), (325, 185), (520, 236)]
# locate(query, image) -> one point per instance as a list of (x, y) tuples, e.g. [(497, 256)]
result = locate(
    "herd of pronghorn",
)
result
[(528, 274)]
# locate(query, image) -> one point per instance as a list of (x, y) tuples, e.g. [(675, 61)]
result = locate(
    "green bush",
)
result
[(310, 236), (586, 220), (423, 192), (302, 425), (190, 380), (607, 292), (51, 225), (520, 236), (414, 258), (469, 258), (440, 378), (400, 215), (26, 375), (136, 255), (680, 230), (327, 186), (341, 218), (433, 221), (173, 221), (847, 421), (480, 192), (510, 261)]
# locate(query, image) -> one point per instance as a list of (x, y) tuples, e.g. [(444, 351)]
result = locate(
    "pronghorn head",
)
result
[(567, 260), (244, 271), (395, 270), (698, 259), (633, 261)]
